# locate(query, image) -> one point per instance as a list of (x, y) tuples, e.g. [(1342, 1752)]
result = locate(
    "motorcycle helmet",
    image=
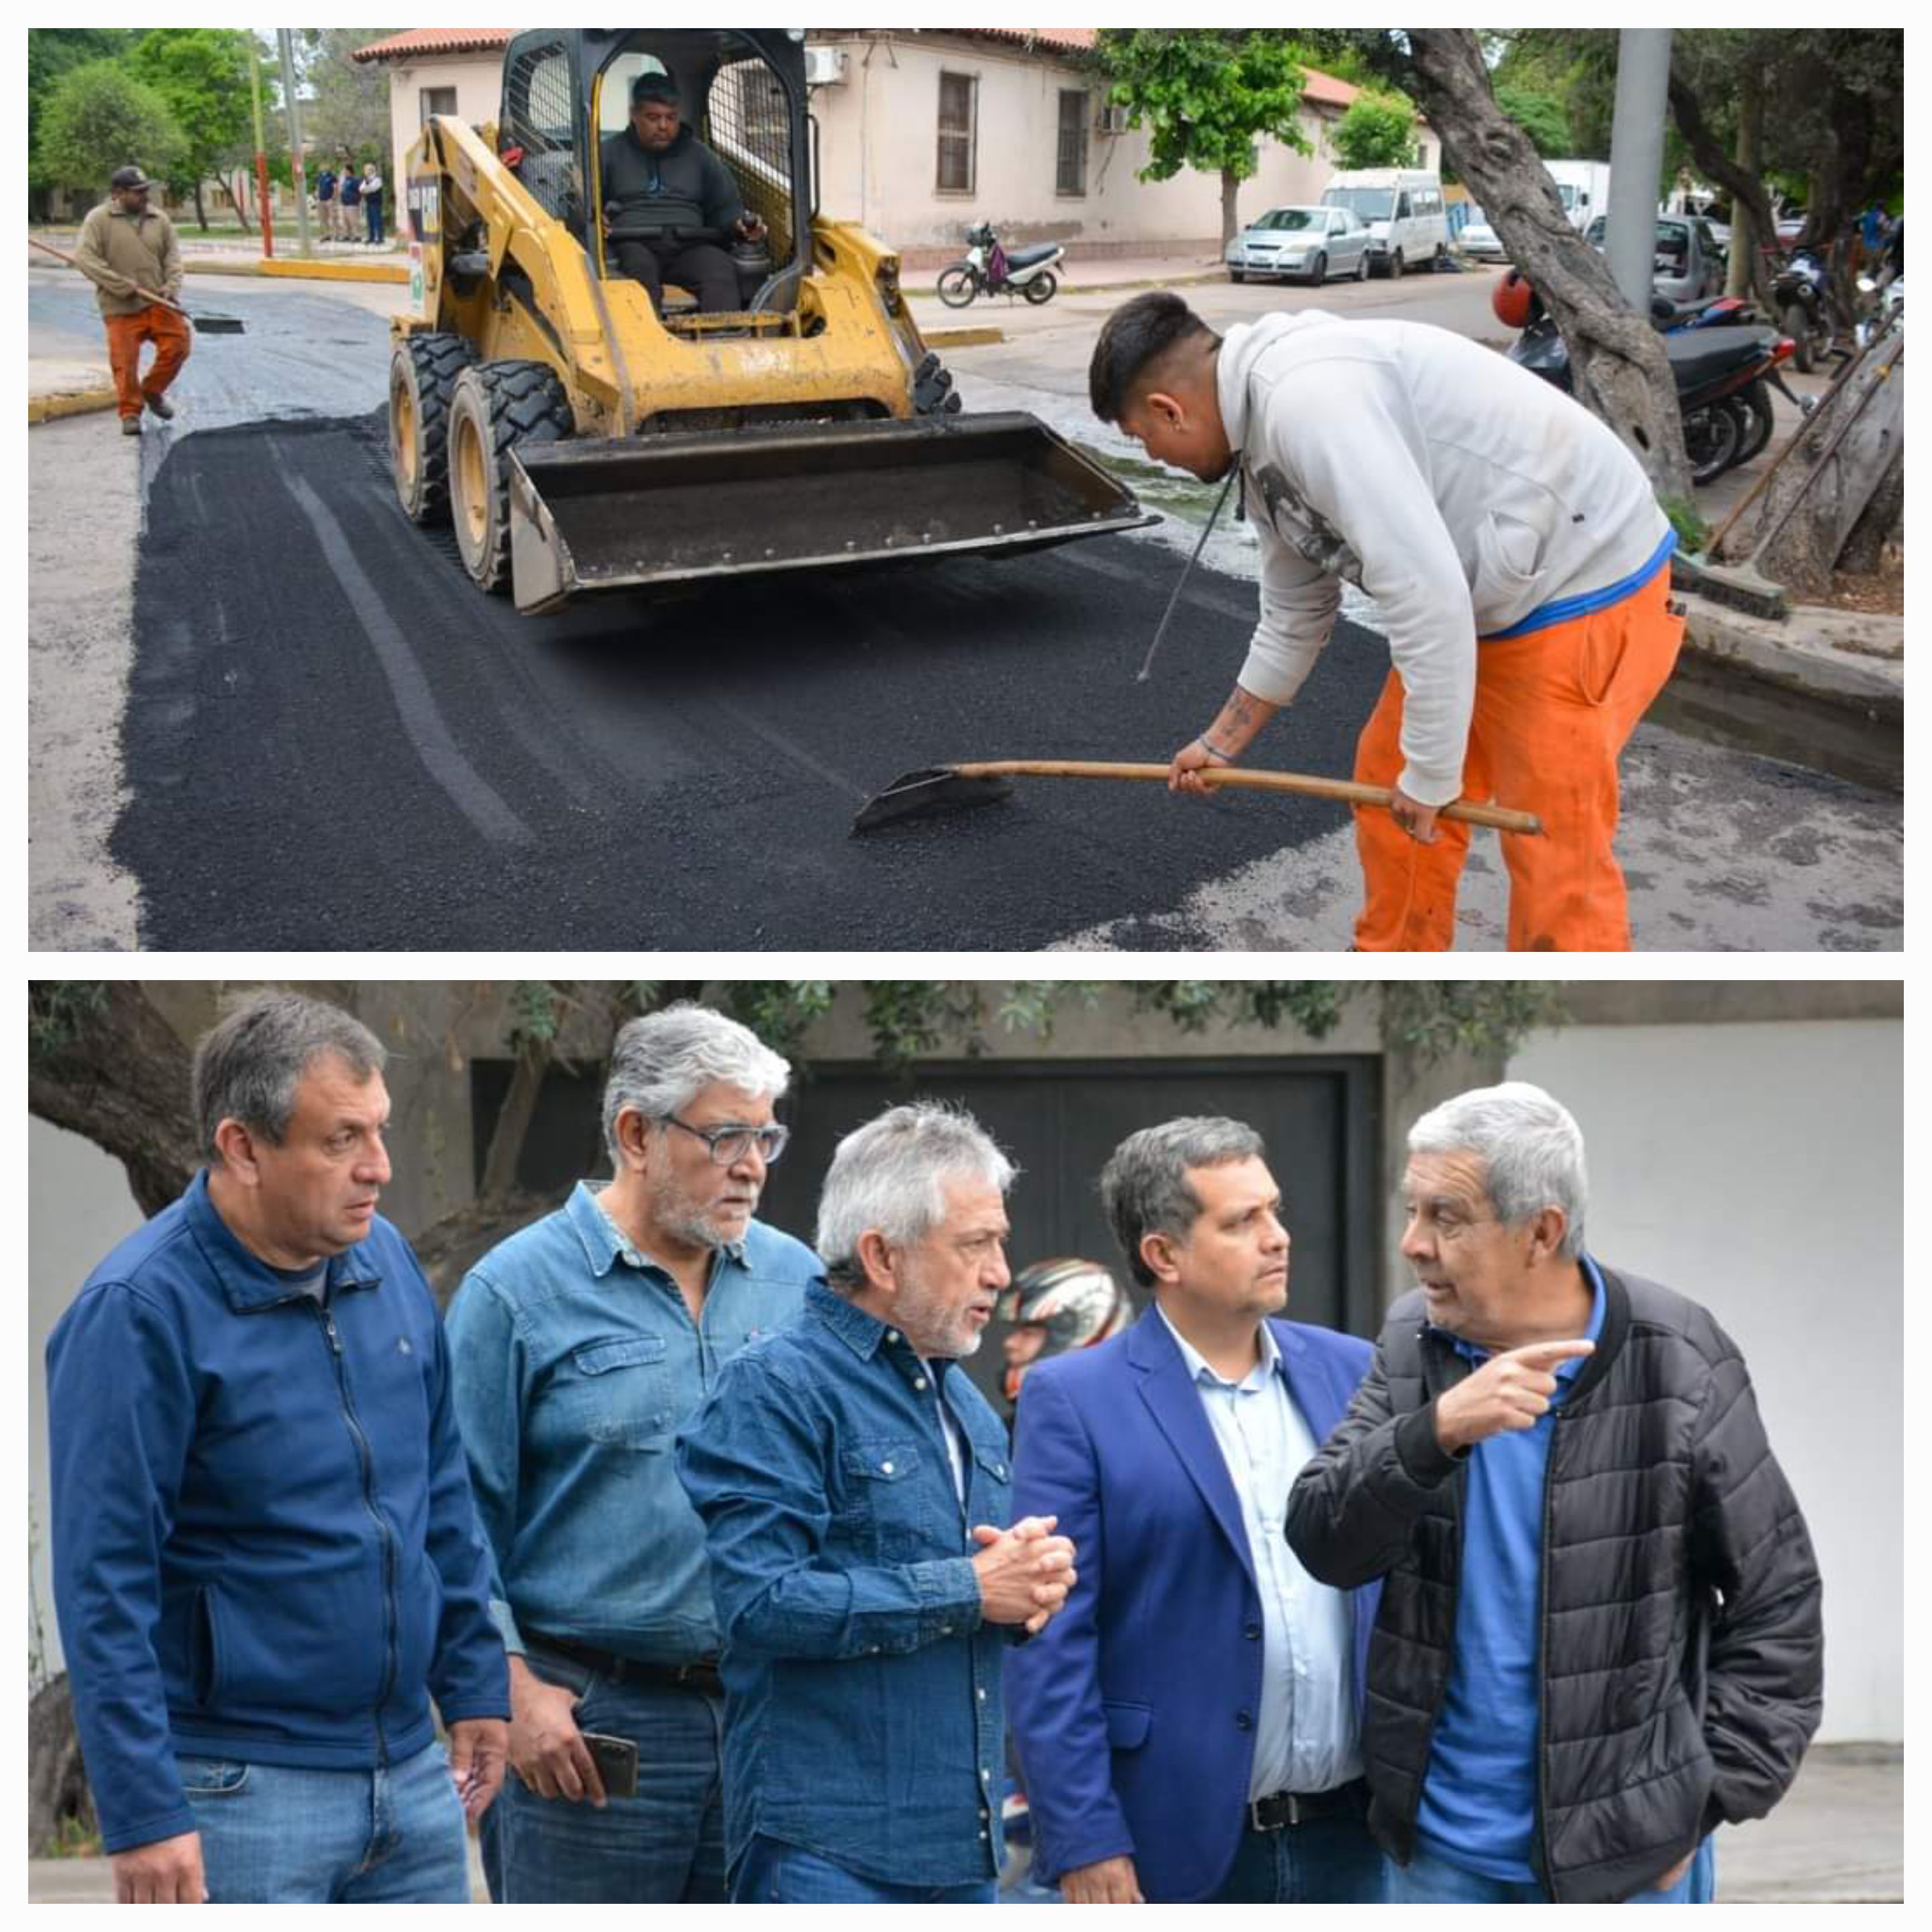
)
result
[(1514, 300), (1077, 1303)]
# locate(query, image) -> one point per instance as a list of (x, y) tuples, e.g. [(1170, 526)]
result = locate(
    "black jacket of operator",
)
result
[(1681, 1647), (686, 187)]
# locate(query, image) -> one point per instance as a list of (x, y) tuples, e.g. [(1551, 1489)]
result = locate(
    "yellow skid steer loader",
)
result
[(579, 440)]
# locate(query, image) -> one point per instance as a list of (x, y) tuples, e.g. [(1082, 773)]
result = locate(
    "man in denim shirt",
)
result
[(579, 1345), (854, 1485)]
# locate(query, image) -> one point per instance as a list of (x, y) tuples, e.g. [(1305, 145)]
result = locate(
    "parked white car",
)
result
[(1312, 245), (1477, 238)]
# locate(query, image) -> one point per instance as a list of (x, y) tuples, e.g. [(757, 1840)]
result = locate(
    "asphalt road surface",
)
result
[(332, 740)]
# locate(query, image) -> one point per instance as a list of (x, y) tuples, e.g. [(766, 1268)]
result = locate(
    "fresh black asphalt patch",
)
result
[(334, 741)]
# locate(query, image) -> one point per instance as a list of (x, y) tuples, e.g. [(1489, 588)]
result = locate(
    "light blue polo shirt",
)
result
[(1478, 1808)]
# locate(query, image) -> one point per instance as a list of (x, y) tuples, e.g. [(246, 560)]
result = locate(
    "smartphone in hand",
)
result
[(617, 1762)]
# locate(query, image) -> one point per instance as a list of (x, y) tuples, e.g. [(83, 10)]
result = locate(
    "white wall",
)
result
[(1757, 1169), (81, 1208)]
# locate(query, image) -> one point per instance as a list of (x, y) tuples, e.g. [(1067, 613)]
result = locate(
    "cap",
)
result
[(127, 178)]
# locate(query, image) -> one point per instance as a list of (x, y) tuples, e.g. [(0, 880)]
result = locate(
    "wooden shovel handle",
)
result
[(1346, 789), (34, 242)]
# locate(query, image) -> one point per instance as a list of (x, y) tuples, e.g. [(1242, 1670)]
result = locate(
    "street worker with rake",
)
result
[(128, 251), (1512, 545)]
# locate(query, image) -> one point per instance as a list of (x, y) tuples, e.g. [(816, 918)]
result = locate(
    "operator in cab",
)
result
[(667, 200)]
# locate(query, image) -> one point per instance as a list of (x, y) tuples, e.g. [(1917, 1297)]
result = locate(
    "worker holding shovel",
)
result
[(1512, 545), (128, 251)]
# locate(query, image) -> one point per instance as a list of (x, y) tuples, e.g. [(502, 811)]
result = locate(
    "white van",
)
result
[(1584, 189), (1408, 227)]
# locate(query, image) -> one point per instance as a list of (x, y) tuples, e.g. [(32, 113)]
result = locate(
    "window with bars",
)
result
[(958, 101), (436, 100), (1071, 178)]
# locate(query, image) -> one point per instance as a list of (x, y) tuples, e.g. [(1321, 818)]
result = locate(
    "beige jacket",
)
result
[(115, 251)]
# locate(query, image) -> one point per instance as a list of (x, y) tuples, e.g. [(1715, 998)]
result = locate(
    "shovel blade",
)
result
[(218, 325), (919, 794)]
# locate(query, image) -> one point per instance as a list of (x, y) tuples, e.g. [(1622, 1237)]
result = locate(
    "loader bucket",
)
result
[(639, 512)]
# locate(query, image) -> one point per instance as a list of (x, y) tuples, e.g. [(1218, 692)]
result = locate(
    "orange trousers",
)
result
[(172, 338), (1554, 708)]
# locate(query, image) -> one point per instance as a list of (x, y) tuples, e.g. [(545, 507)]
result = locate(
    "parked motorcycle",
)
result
[(987, 269), (1726, 312), (1721, 377), (1800, 294)]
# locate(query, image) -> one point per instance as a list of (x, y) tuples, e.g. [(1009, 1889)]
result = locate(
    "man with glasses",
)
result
[(581, 1345)]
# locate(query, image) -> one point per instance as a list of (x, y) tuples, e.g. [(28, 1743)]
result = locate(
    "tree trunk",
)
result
[(1882, 523), (1618, 370), (513, 1122), (1231, 188), (200, 213), (1738, 178), (118, 1073), (56, 1780)]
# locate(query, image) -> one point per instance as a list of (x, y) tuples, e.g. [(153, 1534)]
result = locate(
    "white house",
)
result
[(923, 131)]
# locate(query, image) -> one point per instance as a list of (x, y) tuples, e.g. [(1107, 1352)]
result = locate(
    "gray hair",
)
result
[(1530, 1149), (889, 1177), (1145, 1189), (248, 1065), (660, 1063)]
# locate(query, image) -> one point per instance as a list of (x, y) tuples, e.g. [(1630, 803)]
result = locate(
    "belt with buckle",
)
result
[(700, 1674), (1281, 1809)]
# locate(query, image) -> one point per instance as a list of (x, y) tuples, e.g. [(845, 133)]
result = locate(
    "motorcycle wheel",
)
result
[(957, 287), (1753, 408), (1041, 288), (1712, 437), (1796, 321)]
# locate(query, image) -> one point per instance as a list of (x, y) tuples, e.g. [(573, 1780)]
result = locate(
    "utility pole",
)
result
[(287, 40), (1636, 160), (267, 218)]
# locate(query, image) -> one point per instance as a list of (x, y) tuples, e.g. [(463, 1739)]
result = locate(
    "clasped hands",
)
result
[(1024, 1572)]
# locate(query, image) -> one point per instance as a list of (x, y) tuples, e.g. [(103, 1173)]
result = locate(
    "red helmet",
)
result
[(1514, 300)]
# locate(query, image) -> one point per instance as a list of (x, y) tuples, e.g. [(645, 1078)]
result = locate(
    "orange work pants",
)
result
[(171, 336), (1554, 708)]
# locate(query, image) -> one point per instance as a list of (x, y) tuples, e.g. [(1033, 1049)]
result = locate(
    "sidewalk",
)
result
[(1840, 1836)]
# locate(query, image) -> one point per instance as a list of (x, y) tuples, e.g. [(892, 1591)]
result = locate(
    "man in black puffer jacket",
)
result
[(664, 191), (1600, 1633)]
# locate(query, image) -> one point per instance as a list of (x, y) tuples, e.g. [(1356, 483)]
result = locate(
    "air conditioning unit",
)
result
[(825, 67), (1110, 119)]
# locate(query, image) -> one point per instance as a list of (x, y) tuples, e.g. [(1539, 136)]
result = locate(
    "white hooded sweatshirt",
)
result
[(1460, 492)]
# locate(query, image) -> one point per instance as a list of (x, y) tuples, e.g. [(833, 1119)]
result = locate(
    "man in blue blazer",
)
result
[(1188, 1726)]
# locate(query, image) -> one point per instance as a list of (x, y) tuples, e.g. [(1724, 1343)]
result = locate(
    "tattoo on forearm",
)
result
[(1241, 717)]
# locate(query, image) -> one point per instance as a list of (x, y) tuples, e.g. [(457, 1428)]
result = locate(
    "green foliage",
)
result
[(53, 51), (1693, 532), (1206, 96), (347, 105), (536, 1015), (778, 1011), (57, 1009), (1543, 117), (99, 117), (201, 73), (1433, 1018), (1377, 131)]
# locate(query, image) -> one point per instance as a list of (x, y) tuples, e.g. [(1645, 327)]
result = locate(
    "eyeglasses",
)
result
[(729, 1145)]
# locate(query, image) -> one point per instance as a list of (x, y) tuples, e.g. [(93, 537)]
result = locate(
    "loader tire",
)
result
[(422, 372), (494, 406)]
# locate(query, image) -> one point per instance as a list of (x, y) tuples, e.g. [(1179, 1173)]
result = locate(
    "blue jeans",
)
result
[(372, 209), (1428, 1880), (772, 1874), (1329, 1860), (666, 1846), (273, 1834)]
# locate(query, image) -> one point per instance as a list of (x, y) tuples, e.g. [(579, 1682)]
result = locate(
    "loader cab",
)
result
[(743, 93)]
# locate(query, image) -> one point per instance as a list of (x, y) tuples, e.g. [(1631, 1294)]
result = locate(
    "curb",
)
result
[(1832, 658), (1073, 288), (75, 402), (961, 338), (302, 270)]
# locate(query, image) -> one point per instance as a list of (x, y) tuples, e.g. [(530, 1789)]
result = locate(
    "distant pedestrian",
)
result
[(324, 202), (125, 247), (348, 198), (372, 203)]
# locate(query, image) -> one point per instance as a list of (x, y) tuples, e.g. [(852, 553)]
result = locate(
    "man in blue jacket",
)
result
[(266, 1560), (1189, 1727)]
